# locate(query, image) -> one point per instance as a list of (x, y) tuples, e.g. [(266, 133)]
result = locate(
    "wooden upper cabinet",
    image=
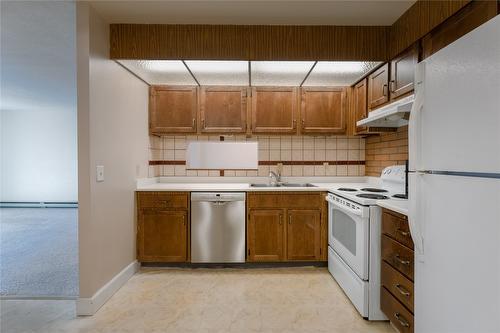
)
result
[(274, 110), (403, 72), (172, 109), (304, 235), (223, 109), (378, 90), (162, 235), (323, 110), (265, 235), (359, 100)]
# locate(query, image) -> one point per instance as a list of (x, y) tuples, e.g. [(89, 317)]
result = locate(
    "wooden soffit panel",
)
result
[(234, 42), (419, 20)]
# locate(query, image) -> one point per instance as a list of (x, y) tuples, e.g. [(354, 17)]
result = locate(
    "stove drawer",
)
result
[(396, 226), (396, 312), (398, 285), (398, 256)]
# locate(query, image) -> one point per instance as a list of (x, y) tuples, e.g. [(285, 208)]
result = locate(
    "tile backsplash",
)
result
[(294, 155)]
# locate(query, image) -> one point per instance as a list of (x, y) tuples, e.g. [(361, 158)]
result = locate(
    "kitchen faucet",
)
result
[(275, 178)]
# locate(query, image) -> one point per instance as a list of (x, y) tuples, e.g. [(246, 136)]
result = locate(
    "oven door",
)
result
[(348, 234)]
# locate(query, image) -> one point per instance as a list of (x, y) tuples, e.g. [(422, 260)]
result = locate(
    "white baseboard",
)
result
[(89, 306)]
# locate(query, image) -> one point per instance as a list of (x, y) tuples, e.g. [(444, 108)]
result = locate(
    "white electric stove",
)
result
[(354, 227)]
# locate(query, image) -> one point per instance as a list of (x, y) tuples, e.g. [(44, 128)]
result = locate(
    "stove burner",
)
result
[(371, 189), (400, 196), (372, 196), (347, 189)]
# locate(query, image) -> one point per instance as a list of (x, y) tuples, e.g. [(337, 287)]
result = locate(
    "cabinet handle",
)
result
[(194, 123), (384, 90), (402, 320), (403, 233), (184, 219), (391, 85), (281, 219), (303, 123), (402, 290), (289, 219), (294, 124), (164, 202), (401, 261), (203, 123)]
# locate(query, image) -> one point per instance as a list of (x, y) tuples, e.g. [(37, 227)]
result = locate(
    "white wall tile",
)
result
[(202, 173), (180, 142), (319, 170), (297, 143), (353, 143), (330, 155), (308, 155), (308, 170), (331, 142), (319, 142), (286, 142), (274, 143), (308, 143), (169, 155), (168, 170), (180, 170), (180, 155), (229, 173), (287, 170), (297, 170), (263, 171), (353, 155), (331, 170), (342, 143), (352, 170), (297, 155), (168, 142), (286, 155), (213, 173), (341, 170), (319, 155), (191, 173), (341, 155), (274, 155), (263, 142), (263, 155)]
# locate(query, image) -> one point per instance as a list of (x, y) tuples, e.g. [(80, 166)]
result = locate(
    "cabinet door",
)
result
[(172, 109), (360, 104), (162, 235), (303, 235), (403, 72), (323, 110), (265, 235), (223, 109), (274, 110), (378, 92)]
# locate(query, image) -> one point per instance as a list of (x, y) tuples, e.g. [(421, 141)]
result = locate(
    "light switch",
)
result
[(99, 173)]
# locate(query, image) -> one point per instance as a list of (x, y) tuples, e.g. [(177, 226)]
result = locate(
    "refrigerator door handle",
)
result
[(415, 215), (414, 123)]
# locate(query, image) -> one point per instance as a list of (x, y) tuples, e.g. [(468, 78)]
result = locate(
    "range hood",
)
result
[(395, 114)]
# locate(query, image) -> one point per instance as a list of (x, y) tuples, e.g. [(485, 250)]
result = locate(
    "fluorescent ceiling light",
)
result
[(219, 72), (279, 73), (338, 73), (167, 72)]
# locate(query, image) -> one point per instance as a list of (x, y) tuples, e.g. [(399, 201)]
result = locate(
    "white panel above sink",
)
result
[(222, 156)]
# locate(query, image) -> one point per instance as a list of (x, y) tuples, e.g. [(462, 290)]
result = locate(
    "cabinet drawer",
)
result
[(398, 285), (398, 256), (396, 312), (285, 200), (396, 226), (162, 200)]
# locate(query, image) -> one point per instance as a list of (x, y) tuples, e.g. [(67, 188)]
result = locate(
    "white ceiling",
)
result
[(272, 12)]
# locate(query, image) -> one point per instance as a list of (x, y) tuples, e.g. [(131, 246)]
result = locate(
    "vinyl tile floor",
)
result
[(205, 300)]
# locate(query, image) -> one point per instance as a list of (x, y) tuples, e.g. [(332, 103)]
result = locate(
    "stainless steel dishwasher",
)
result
[(217, 227)]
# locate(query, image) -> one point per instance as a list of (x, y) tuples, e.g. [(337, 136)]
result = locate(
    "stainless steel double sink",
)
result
[(283, 185)]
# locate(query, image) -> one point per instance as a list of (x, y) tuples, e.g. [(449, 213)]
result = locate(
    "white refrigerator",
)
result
[(454, 185)]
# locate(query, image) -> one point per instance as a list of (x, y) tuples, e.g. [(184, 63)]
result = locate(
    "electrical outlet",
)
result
[(99, 173)]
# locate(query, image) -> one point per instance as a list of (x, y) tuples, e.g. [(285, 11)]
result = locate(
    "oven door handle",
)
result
[(344, 208)]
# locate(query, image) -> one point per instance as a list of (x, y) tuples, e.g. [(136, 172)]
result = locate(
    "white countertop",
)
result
[(242, 184), (397, 205)]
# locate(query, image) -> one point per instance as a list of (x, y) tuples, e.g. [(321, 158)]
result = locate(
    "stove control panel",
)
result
[(394, 173)]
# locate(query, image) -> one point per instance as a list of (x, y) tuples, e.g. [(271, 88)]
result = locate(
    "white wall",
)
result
[(38, 140), (113, 132)]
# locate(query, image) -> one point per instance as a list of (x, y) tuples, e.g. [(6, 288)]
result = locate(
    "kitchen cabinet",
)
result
[(223, 109), (162, 226), (402, 73), (286, 226), (323, 110), (172, 109), (274, 110), (265, 235), (360, 103), (378, 91), (303, 234), (396, 275)]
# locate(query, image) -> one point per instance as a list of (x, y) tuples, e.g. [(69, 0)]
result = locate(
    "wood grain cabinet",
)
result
[(223, 109), (402, 73), (286, 226), (303, 234), (323, 110), (396, 275), (378, 87), (172, 109), (265, 235), (360, 104), (274, 110), (162, 226)]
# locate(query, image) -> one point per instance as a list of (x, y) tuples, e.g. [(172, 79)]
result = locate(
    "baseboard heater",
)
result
[(7, 204)]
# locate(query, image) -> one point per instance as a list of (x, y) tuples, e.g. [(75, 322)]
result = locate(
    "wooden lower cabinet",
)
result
[(265, 235), (303, 234), (162, 230), (396, 274), (284, 226)]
